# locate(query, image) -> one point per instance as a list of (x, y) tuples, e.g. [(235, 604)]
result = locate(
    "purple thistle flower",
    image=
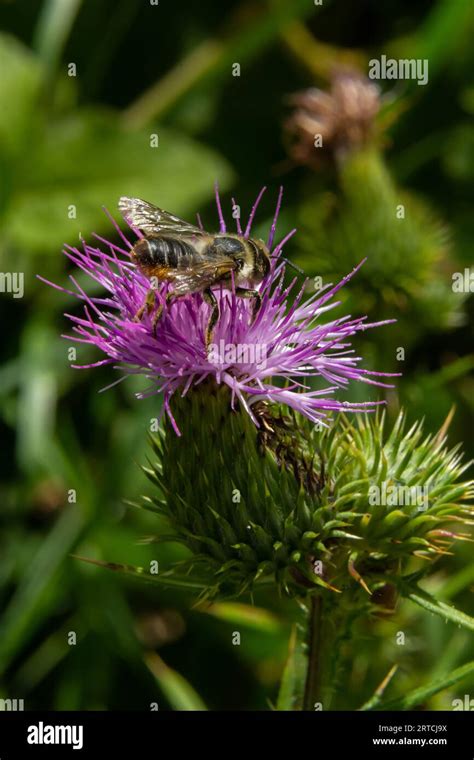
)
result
[(287, 341)]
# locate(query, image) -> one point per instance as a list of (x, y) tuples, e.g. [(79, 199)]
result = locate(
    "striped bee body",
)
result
[(192, 260), (160, 254)]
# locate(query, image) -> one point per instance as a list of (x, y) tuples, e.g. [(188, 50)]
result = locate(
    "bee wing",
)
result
[(152, 220), (201, 275)]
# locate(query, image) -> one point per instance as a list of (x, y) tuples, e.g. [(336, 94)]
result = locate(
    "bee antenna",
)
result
[(290, 263)]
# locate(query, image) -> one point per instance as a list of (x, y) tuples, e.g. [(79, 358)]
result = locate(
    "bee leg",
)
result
[(210, 298), (148, 305), (246, 293), (169, 297)]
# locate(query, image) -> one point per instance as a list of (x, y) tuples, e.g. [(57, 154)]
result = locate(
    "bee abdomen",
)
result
[(169, 253)]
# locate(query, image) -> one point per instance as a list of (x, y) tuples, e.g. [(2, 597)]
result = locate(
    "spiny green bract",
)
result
[(300, 507)]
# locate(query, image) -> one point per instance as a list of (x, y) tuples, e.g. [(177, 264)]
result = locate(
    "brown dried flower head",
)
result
[(335, 122)]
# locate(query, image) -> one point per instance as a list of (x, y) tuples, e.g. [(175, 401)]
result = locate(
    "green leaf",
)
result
[(87, 161), (38, 586), (419, 696), (446, 611), (54, 25), (19, 86), (294, 674), (377, 696), (38, 394), (244, 614), (41, 583), (184, 583), (177, 690)]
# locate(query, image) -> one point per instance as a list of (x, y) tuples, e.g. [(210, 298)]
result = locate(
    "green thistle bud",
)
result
[(339, 509)]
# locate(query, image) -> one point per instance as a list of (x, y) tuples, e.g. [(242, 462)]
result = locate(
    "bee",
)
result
[(192, 260)]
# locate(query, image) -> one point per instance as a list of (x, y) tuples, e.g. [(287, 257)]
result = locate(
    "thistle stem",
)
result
[(313, 685)]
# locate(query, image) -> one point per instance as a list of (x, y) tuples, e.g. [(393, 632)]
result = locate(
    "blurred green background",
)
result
[(83, 141)]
